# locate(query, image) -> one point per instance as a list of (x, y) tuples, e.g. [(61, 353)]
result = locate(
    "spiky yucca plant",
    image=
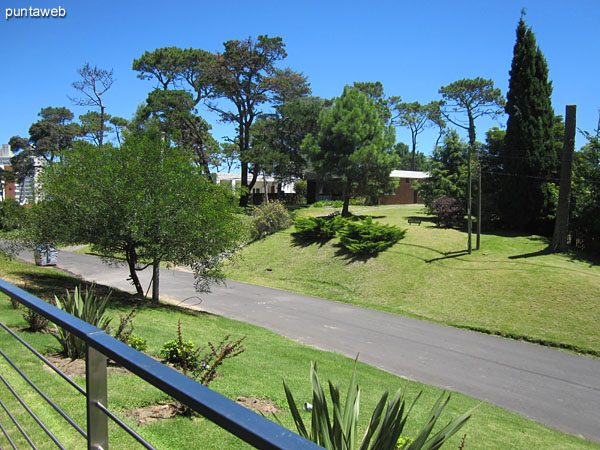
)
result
[(384, 428), (87, 307)]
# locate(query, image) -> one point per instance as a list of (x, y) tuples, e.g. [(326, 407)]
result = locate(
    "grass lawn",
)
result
[(258, 372), (507, 288)]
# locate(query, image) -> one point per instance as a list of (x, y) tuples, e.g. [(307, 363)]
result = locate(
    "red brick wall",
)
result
[(404, 194)]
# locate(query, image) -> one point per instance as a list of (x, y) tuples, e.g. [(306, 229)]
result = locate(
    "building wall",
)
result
[(404, 194)]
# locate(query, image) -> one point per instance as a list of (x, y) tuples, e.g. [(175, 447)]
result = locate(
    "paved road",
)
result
[(558, 389)]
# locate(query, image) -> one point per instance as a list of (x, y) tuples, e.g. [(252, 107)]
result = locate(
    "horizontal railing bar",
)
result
[(17, 424), (5, 432), (238, 420), (32, 414), (48, 363), (44, 396), (125, 427)]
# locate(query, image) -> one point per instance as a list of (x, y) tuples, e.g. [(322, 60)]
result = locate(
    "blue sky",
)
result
[(413, 48)]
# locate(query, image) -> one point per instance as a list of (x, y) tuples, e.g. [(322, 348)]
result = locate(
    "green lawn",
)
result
[(506, 288), (258, 372)]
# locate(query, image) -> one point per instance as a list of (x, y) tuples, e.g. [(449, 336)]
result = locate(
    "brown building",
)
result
[(404, 193)]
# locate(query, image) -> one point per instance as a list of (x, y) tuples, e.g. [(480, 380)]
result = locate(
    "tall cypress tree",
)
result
[(528, 158)]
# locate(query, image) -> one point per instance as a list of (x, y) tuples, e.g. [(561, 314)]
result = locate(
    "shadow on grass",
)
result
[(47, 285), (301, 241), (448, 255)]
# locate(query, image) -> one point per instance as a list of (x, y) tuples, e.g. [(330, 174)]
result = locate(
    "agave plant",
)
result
[(387, 422), (89, 308)]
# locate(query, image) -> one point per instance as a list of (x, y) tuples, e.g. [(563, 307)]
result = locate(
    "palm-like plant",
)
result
[(387, 422), (89, 308)]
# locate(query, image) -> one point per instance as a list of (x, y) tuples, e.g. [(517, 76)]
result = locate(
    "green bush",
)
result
[(268, 218), (12, 215), (35, 321), (333, 203), (182, 355), (318, 228), (339, 432), (366, 237), (89, 308), (138, 343)]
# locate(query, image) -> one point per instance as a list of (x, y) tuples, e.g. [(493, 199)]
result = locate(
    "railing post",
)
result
[(96, 384)]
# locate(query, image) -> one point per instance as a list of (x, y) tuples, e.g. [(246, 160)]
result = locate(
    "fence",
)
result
[(237, 420)]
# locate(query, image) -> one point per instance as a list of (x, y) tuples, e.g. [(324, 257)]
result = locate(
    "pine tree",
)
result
[(528, 157)]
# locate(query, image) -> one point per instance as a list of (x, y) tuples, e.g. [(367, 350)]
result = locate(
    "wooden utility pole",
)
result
[(561, 225), (469, 217), (478, 243)]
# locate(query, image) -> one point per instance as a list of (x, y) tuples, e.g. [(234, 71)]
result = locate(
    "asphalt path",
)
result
[(556, 388)]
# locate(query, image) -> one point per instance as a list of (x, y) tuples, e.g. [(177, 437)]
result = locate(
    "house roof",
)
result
[(408, 174)]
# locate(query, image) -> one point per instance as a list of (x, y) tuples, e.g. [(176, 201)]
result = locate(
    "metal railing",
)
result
[(245, 424)]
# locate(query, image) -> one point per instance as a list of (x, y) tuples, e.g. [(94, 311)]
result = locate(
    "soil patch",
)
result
[(75, 367), (263, 405), (153, 413)]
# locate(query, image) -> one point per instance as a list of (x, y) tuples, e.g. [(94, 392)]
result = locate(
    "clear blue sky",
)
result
[(413, 48)]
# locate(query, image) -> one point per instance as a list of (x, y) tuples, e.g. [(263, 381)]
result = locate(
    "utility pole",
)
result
[(469, 218), (561, 225), (478, 244)]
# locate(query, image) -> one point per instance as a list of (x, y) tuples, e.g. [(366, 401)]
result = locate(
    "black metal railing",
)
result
[(236, 419)]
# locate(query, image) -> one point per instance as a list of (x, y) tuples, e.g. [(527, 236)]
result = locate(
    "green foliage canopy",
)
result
[(145, 200), (353, 145)]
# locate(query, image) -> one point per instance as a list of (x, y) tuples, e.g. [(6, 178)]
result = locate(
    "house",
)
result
[(404, 193), (272, 186)]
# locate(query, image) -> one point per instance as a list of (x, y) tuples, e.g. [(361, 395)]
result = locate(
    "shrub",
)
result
[(384, 427), (182, 354), (124, 332), (138, 343), (448, 211), (318, 228), (203, 369), (366, 237), (12, 215), (333, 203), (268, 218), (35, 321), (89, 308)]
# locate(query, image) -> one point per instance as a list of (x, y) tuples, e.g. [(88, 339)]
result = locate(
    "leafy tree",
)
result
[(353, 145), (49, 137), (109, 198), (93, 85), (475, 98), (528, 157), (585, 203), (448, 173), (416, 118), (245, 74), (119, 124), (175, 112), (421, 162), (277, 141)]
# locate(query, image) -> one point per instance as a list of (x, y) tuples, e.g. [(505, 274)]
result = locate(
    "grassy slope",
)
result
[(257, 372), (505, 288)]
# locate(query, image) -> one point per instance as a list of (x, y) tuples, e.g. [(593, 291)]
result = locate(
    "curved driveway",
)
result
[(558, 389)]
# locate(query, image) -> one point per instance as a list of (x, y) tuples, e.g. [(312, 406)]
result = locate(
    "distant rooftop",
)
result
[(408, 174)]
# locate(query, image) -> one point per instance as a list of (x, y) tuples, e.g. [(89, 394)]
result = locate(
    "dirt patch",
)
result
[(153, 413), (75, 367), (261, 405)]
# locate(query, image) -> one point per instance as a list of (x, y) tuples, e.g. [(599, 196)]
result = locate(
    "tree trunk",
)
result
[(346, 198), (155, 281), (561, 225), (131, 257)]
